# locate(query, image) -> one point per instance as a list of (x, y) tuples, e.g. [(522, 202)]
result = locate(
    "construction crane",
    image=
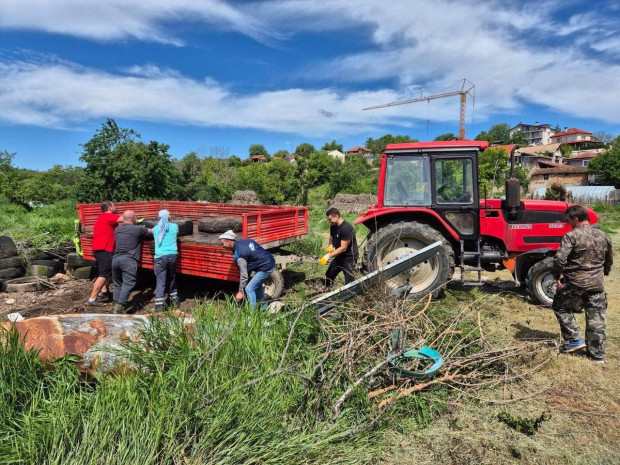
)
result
[(466, 88)]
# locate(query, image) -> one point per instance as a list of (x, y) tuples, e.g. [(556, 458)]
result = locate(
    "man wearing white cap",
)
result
[(249, 257)]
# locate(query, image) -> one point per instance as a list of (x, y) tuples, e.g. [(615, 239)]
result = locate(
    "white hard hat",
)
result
[(230, 235)]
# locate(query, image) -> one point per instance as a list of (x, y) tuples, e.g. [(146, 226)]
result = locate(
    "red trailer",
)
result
[(201, 254)]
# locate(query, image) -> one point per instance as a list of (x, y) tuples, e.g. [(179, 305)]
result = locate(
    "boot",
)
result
[(119, 308)]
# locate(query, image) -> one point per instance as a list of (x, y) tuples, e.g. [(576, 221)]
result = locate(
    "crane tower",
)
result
[(466, 88)]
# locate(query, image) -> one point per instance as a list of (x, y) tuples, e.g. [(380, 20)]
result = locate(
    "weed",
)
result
[(524, 425)]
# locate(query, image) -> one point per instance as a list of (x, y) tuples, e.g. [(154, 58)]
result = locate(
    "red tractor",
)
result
[(429, 192)]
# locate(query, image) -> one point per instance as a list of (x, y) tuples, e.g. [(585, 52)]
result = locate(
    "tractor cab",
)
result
[(438, 176)]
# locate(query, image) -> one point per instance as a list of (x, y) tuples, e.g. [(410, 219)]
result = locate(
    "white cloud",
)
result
[(125, 19), (59, 95)]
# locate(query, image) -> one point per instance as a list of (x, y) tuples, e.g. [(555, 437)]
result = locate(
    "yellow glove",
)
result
[(140, 220), (324, 259), (329, 249)]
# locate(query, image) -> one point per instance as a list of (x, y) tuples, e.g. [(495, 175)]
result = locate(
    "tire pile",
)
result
[(11, 264)]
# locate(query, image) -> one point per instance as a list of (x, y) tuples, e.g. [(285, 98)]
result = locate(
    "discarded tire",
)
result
[(75, 260), (14, 272), (57, 265), (85, 272), (219, 224), (11, 262), (186, 225), (41, 271), (27, 284), (7, 247)]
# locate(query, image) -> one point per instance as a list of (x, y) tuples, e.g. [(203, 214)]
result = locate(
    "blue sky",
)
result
[(217, 76)]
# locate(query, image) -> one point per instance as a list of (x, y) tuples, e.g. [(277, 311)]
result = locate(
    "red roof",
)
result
[(358, 148), (508, 148), (290, 156), (581, 156), (570, 131), (561, 169), (258, 157)]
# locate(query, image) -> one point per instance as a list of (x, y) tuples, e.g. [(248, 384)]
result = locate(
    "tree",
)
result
[(305, 150), (354, 176), (603, 137), (121, 168), (333, 145), (517, 138), (280, 154), (607, 165), (499, 133), (446, 136), (274, 183), (258, 149), (377, 146), (556, 191), (493, 167)]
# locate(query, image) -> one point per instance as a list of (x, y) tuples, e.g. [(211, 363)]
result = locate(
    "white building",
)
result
[(535, 134)]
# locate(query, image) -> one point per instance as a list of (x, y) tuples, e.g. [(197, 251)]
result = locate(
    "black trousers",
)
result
[(347, 266)]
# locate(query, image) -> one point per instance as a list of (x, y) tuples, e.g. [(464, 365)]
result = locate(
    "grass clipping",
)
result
[(247, 387)]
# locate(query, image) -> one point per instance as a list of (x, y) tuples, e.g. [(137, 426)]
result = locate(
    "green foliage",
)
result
[(55, 221), (446, 136), (608, 165), (304, 150), (280, 153), (354, 176), (493, 167), (377, 146), (499, 133), (556, 191), (120, 168), (527, 426), (567, 150), (274, 183), (333, 145), (258, 149), (517, 138)]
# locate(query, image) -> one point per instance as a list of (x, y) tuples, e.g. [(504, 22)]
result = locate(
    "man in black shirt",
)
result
[(128, 237), (341, 250)]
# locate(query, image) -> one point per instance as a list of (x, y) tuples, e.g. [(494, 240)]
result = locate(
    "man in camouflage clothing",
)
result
[(583, 258)]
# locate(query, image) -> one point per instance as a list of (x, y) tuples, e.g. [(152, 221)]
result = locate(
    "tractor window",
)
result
[(454, 181), (407, 181)]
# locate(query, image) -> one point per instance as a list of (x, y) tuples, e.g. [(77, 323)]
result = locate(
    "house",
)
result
[(508, 148), (550, 172), (576, 138), (258, 158), (337, 154), (535, 134), (528, 156), (290, 158), (581, 159), (357, 150)]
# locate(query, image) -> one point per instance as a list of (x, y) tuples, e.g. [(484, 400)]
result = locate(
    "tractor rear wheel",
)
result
[(541, 285), (397, 240)]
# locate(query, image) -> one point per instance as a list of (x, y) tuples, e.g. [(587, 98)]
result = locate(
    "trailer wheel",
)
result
[(398, 240), (541, 285), (274, 285)]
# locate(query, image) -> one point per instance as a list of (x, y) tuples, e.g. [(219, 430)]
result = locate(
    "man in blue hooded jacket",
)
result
[(249, 257)]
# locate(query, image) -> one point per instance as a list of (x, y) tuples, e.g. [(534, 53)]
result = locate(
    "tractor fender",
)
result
[(372, 219), (525, 257)]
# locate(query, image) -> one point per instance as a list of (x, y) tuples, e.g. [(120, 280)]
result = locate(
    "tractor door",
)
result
[(454, 178)]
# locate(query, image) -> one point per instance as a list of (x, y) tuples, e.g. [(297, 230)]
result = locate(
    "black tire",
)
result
[(57, 265), (85, 272), (274, 285), (219, 224), (186, 225), (540, 283), (11, 262), (7, 247), (75, 260), (395, 241), (15, 272), (41, 271)]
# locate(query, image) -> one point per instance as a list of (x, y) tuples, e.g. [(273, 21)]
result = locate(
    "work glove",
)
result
[(324, 260), (140, 220), (329, 249)]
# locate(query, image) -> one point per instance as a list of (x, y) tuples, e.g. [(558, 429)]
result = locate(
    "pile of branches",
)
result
[(349, 203), (359, 343)]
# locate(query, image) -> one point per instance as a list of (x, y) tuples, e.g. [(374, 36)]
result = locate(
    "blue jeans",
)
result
[(254, 289), (124, 270), (165, 271)]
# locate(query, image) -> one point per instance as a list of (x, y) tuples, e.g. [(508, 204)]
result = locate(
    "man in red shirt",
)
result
[(103, 250)]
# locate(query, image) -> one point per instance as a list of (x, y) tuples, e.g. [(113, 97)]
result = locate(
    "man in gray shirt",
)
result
[(128, 237)]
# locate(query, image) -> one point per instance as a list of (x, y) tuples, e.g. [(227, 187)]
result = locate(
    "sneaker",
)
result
[(572, 346), (595, 359), (118, 308), (94, 303)]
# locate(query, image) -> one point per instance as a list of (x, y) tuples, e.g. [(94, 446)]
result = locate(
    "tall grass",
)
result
[(56, 220), (211, 398)]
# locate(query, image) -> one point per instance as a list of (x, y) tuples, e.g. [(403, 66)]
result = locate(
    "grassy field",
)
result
[(192, 403)]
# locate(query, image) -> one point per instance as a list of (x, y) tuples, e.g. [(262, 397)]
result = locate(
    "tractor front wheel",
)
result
[(397, 240), (541, 285)]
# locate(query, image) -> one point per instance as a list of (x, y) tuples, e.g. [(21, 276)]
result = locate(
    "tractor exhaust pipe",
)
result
[(513, 188)]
